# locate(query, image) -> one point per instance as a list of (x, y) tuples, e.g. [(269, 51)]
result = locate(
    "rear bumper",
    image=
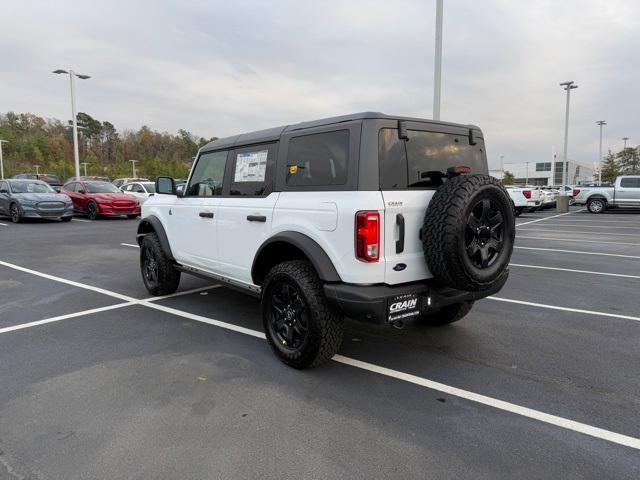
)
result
[(370, 303)]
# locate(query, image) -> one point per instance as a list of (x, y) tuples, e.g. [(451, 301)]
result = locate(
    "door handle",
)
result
[(400, 241), (256, 218), (206, 214)]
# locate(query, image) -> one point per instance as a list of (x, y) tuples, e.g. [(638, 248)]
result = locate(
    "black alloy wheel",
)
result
[(92, 211), (150, 266), (15, 213), (484, 233), (289, 316)]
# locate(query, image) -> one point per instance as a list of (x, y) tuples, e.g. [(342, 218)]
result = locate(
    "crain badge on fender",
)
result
[(399, 267)]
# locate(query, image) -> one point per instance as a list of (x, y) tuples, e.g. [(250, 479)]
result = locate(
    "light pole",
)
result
[(526, 179), (568, 86), (2, 164), (501, 167), (625, 142), (72, 75), (84, 164), (437, 71), (37, 169), (133, 164), (601, 123)]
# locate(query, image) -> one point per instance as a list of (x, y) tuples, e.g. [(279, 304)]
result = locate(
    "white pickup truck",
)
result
[(625, 193), (525, 198)]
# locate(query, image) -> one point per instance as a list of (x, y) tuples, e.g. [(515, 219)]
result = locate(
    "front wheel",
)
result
[(92, 211), (158, 272), (449, 314), (301, 328), (596, 205)]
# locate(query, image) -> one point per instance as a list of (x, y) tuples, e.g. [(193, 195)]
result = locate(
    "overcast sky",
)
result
[(217, 68)]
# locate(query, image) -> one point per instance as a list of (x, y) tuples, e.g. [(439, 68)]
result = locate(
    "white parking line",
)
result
[(561, 422), (544, 218), (3, 225), (64, 317), (596, 219), (577, 240), (130, 245), (566, 309), (81, 220), (574, 271), (495, 403), (565, 225), (577, 252), (542, 230)]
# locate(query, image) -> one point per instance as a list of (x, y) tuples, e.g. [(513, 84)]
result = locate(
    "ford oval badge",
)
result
[(399, 267)]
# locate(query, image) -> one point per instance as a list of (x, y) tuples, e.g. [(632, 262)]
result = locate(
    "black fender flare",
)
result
[(150, 224), (314, 252)]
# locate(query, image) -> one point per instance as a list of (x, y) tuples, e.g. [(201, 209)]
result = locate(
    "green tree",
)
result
[(610, 168), (629, 161), (508, 178)]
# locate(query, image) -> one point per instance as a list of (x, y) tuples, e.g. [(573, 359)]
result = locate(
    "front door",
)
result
[(4, 198), (245, 212), (192, 227), (628, 194)]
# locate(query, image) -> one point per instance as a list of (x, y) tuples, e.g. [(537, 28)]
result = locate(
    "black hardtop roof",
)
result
[(273, 134)]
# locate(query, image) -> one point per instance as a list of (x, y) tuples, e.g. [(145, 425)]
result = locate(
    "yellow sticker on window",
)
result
[(293, 169)]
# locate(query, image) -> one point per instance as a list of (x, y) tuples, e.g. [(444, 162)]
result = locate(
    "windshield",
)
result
[(149, 187), (422, 160), (31, 187), (101, 187)]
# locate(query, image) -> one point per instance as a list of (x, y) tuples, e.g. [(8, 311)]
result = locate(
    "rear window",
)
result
[(319, 159), (630, 183), (423, 160)]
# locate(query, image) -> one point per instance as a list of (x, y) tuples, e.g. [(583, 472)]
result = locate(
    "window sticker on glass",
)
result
[(251, 166)]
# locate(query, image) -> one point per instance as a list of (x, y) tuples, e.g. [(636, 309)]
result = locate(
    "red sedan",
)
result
[(100, 198)]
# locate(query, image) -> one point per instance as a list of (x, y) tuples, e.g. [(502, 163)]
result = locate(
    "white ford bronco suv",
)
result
[(377, 218)]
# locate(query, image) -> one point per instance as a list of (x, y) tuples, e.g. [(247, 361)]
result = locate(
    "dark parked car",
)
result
[(50, 178), (20, 198), (101, 198)]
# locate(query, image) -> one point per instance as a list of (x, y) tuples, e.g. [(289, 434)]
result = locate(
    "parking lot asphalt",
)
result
[(539, 381)]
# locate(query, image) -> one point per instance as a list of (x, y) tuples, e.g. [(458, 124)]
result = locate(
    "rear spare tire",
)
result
[(468, 232)]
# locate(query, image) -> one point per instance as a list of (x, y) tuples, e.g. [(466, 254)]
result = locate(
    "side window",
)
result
[(71, 187), (252, 169), (126, 188), (138, 188), (630, 183), (207, 177), (318, 159), (4, 186)]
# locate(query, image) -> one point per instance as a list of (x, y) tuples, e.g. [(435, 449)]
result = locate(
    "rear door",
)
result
[(410, 172), (628, 192), (4, 197), (245, 212)]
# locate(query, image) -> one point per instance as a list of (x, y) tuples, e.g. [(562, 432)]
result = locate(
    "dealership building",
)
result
[(540, 173)]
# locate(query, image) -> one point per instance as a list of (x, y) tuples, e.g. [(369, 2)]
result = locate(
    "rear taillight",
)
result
[(526, 193), (576, 191), (368, 236)]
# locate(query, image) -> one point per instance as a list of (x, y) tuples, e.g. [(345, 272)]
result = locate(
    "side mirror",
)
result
[(165, 186)]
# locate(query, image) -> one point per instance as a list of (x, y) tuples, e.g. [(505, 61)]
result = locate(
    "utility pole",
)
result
[(72, 75), (625, 141), (568, 86), (84, 164), (501, 167), (601, 123), (133, 165), (437, 71), (553, 166), (526, 180), (2, 164)]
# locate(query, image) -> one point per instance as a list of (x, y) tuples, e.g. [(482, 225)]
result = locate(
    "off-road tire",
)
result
[(596, 205), (445, 231), (15, 213), (324, 326), (167, 277), (92, 211), (449, 314)]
